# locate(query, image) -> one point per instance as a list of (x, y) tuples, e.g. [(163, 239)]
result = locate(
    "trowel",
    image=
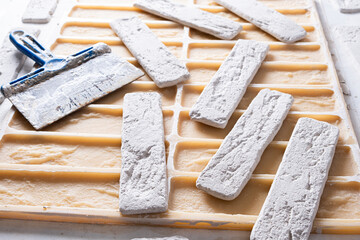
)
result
[(62, 85)]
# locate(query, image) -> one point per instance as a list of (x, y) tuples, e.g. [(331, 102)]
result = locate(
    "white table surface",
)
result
[(10, 17), (347, 65)]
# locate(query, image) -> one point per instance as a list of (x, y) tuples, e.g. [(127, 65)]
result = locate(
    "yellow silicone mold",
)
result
[(70, 170)]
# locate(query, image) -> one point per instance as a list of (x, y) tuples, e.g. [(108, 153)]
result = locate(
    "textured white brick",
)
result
[(39, 11), (159, 63), (222, 95), (12, 60), (269, 20), (215, 25), (163, 238), (349, 6), (231, 167), (293, 199), (143, 181)]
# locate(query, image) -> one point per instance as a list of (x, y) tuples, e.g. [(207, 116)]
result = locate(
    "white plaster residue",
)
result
[(350, 35), (54, 94)]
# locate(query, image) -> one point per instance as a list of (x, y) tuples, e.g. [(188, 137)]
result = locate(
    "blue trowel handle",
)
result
[(29, 46)]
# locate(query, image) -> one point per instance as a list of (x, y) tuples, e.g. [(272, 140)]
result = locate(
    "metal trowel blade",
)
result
[(57, 96)]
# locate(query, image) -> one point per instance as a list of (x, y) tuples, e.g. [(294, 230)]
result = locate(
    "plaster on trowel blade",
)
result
[(63, 91)]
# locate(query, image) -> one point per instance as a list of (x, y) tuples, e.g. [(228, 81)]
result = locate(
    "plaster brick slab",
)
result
[(349, 6), (225, 90), (267, 19), (143, 181), (39, 11), (291, 205), (210, 23), (231, 167), (159, 63)]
